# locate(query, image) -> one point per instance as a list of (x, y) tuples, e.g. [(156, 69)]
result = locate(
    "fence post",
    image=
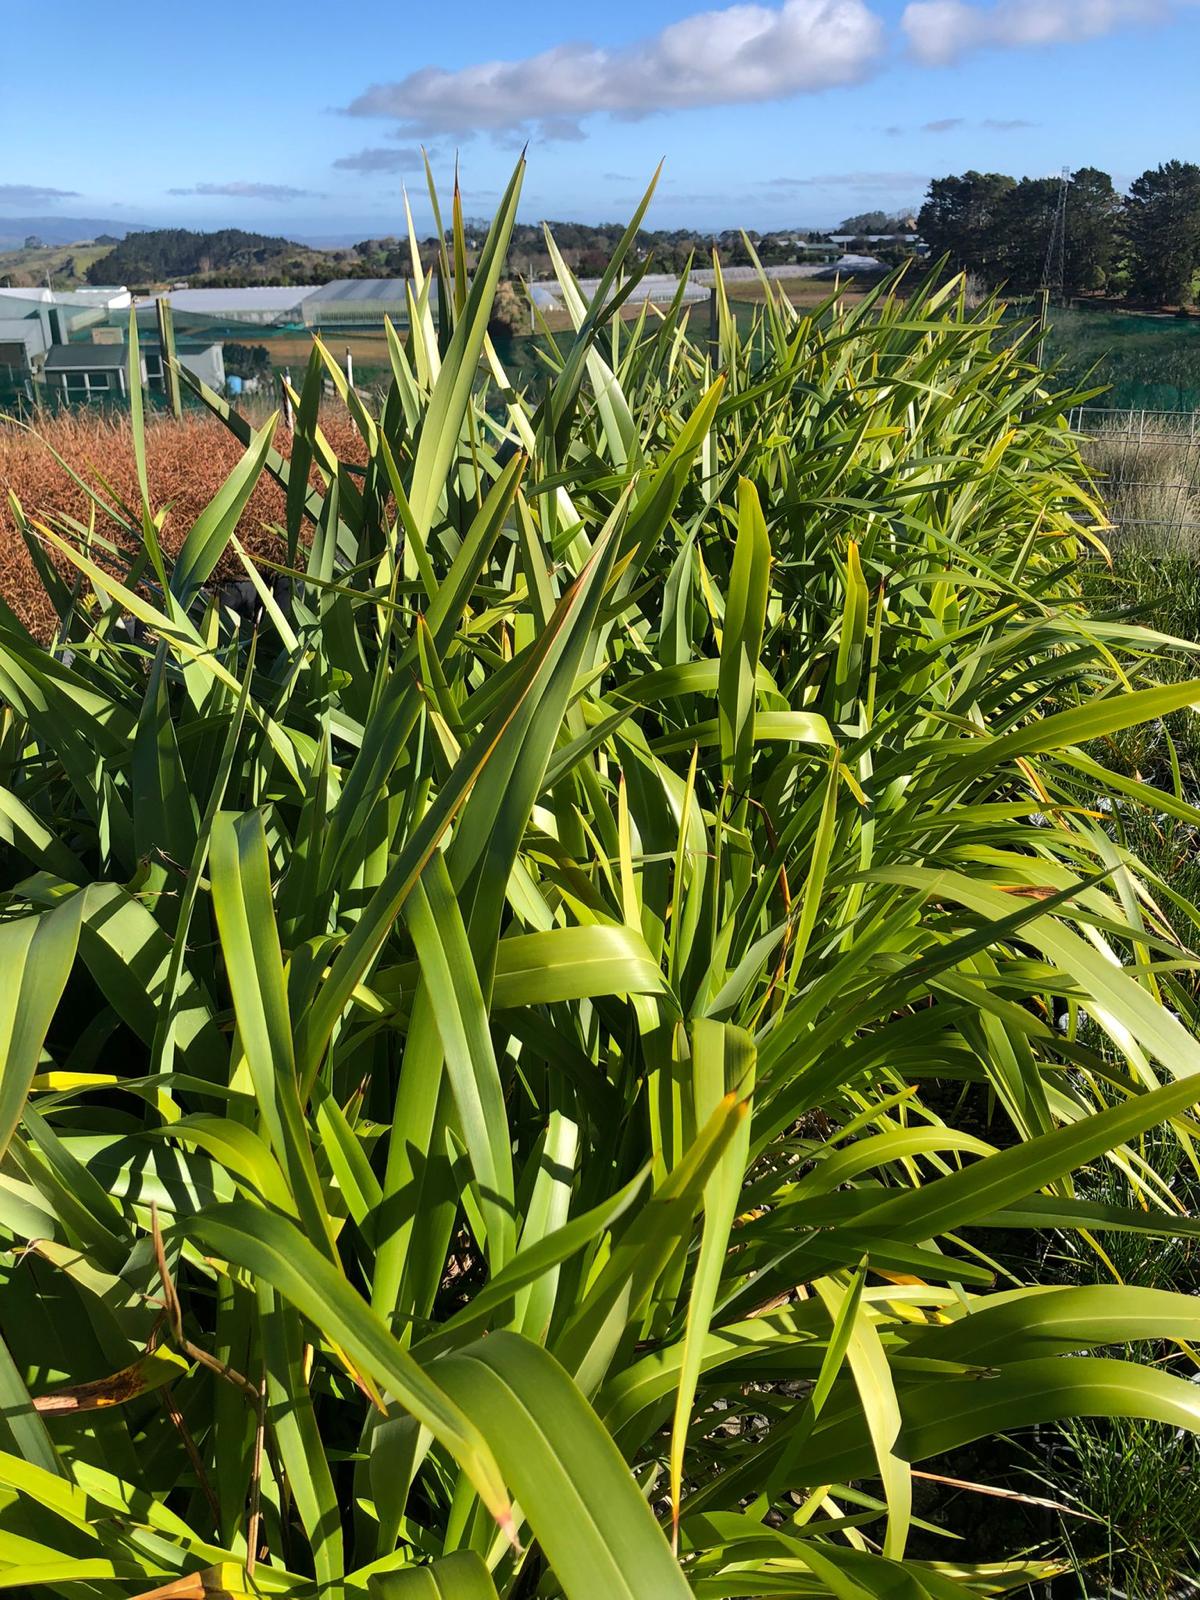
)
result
[(166, 346), (285, 386)]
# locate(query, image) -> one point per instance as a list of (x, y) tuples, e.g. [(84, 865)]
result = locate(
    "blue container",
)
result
[(234, 384)]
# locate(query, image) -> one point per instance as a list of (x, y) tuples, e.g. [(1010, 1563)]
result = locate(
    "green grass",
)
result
[(489, 1062)]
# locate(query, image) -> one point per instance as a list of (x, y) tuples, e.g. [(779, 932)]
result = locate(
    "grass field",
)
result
[(802, 292), (294, 348)]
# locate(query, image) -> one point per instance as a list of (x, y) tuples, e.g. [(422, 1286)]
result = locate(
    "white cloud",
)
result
[(723, 57), (383, 159), (941, 31), (952, 124), (862, 182), (250, 191)]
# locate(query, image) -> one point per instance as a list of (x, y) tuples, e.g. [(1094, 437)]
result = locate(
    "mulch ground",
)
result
[(186, 461)]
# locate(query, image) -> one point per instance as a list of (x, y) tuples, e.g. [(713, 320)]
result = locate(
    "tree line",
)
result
[(1144, 244)]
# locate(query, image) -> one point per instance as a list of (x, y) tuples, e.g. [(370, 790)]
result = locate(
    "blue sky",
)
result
[(306, 119)]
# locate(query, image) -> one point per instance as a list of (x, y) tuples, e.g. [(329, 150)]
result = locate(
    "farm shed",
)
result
[(22, 340), (102, 298), (88, 371), (58, 320), (63, 312)]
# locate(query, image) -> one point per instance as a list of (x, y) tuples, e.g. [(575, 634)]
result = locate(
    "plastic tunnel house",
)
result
[(244, 309), (350, 302)]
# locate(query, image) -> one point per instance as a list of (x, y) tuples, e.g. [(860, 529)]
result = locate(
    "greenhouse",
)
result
[(259, 306), (348, 302)]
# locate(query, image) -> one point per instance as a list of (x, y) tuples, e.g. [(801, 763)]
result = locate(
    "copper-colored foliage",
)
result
[(151, 1371), (186, 463)]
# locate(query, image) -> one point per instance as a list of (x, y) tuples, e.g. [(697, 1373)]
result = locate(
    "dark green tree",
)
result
[(1093, 230), (963, 218), (1162, 225), (1024, 224)]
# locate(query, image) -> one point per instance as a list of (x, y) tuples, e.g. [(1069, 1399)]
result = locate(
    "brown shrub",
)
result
[(186, 463)]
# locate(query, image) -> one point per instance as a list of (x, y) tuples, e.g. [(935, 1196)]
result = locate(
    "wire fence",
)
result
[(1141, 424), (1147, 464)]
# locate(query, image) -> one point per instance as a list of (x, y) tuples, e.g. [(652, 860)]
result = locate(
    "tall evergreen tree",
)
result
[(1091, 221), (962, 219), (1162, 224), (1093, 224), (1024, 222)]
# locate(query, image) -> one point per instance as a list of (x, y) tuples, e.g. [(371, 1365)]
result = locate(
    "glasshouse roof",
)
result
[(267, 297), (359, 289)]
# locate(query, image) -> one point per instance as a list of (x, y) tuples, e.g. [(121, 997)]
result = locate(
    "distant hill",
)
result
[(227, 256), (62, 230)]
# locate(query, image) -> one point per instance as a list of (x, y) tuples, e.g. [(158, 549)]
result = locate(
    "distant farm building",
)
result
[(63, 312), (100, 298), (349, 303), (873, 238)]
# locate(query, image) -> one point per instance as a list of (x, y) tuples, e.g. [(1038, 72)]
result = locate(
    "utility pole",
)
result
[(1054, 267)]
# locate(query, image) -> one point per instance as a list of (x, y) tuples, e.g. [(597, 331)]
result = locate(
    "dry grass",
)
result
[(368, 347), (1150, 480), (186, 464), (802, 292)]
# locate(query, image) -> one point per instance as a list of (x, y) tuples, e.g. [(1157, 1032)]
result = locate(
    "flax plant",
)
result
[(511, 1059)]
